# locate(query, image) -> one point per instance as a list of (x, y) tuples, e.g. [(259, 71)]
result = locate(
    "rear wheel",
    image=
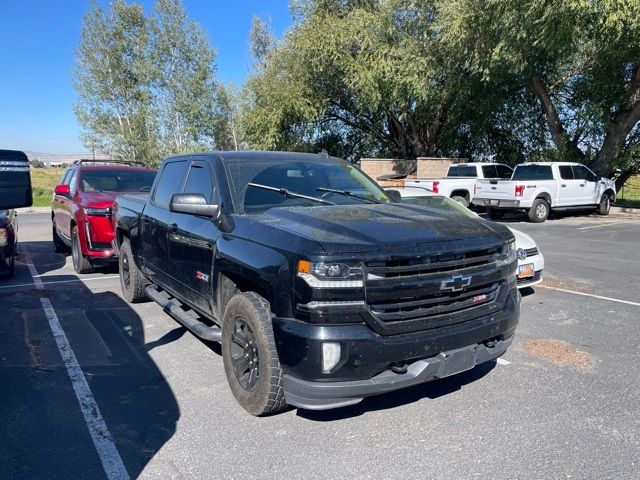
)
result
[(80, 264), (59, 245), (249, 355), (539, 211), (461, 200), (605, 205), (494, 214), (132, 281)]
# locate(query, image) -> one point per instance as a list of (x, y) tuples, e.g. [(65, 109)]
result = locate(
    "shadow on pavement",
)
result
[(44, 434), (434, 389)]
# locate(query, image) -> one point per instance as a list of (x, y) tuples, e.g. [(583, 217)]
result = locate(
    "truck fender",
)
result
[(252, 267)]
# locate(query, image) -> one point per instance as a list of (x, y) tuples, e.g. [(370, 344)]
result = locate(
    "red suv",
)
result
[(81, 208)]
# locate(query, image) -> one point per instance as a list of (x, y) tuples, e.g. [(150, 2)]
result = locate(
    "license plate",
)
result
[(494, 203), (457, 361), (526, 271)]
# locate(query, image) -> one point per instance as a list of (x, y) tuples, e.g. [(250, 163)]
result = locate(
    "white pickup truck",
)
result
[(538, 188), (460, 182)]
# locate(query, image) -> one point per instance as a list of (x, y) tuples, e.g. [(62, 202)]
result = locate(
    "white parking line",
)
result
[(106, 277), (102, 440), (598, 226), (626, 302)]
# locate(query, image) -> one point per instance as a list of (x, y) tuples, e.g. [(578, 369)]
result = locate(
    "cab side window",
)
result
[(73, 181), (199, 181), (566, 172), (64, 178), (583, 173), (170, 182)]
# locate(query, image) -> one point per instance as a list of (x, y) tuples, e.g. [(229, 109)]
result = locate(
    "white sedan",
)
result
[(530, 259)]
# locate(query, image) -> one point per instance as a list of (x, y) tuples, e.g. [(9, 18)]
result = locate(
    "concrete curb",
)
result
[(626, 210)]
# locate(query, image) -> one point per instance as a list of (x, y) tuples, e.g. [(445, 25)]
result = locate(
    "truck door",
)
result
[(65, 205), (568, 192), (587, 185), (192, 241), (155, 222)]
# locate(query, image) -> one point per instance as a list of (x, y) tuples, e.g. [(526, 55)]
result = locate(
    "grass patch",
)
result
[(629, 195), (43, 181)]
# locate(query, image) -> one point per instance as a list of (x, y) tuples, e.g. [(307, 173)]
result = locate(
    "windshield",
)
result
[(250, 178), (117, 180), (438, 202), (532, 172)]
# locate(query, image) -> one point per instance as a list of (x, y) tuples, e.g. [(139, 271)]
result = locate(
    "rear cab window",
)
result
[(462, 171), (532, 172), (504, 171), (170, 181)]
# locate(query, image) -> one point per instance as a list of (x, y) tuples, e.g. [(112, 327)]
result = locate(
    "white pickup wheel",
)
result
[(539, 211)]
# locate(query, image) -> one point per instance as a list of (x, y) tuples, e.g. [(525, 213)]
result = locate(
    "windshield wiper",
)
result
[(348, 194), (290, 194)]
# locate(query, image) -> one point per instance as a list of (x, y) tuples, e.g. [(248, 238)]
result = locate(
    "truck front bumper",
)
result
[(371, 364)]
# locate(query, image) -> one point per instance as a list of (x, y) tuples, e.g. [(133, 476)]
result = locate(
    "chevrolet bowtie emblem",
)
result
[(456, 283)]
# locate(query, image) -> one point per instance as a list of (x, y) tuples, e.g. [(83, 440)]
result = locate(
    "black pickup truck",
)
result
[(321, 289)]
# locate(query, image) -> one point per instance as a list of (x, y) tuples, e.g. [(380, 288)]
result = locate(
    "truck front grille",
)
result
[(425, 292)]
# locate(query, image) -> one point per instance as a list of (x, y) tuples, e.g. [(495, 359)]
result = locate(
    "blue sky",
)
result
[(38, 40)]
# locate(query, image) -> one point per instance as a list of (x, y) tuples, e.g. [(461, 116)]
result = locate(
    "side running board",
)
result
[(173, 308)]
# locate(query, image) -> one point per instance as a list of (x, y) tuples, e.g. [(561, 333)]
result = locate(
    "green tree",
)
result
[(184, 89), (111, 79), (581, 60)]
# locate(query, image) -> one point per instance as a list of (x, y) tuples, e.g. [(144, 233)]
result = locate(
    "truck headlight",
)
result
[(3, 237), (507, 254), (330, 274), (97, 212)]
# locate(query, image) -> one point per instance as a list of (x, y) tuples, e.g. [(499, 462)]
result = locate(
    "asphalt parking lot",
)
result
[(563, 402)]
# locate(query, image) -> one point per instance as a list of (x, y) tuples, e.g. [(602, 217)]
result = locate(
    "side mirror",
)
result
[(193, 204), (63, 190), (394, 195)]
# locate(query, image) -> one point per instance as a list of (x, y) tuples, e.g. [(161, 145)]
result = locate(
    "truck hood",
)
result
[(104, 199), (363, 228)]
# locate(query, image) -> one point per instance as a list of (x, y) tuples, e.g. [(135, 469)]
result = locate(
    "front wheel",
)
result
[(539, 211), (605, 205), (80, 264), (132, 282), (249, 355)]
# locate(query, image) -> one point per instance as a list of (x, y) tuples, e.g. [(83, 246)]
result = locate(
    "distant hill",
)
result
[(59, 159)]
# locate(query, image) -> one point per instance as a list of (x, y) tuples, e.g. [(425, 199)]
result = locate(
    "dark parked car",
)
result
[(8, 242), (319, 288), (81, 208)]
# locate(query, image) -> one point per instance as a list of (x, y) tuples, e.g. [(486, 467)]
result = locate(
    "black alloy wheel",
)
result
[(245, 358)]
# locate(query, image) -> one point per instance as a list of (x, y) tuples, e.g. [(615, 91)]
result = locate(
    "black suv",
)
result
[(321, 289)]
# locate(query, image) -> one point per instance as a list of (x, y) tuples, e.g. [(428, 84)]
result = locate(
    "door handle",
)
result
[(563, 185), (582, 184)]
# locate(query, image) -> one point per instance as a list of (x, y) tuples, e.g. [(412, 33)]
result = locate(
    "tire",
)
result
[(80, 264), (59, 245), (461, 200), (494, 214), (539, 211), (605, 205), (132, 282), (247, 340)]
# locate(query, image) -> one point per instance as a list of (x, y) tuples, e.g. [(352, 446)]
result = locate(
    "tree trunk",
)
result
[(568, 150)]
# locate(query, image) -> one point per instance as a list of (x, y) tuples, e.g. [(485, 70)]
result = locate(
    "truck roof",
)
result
[(548, 163), (266, 156), (466, 164)]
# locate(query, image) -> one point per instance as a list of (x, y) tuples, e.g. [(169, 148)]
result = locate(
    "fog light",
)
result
[(330, 356)]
